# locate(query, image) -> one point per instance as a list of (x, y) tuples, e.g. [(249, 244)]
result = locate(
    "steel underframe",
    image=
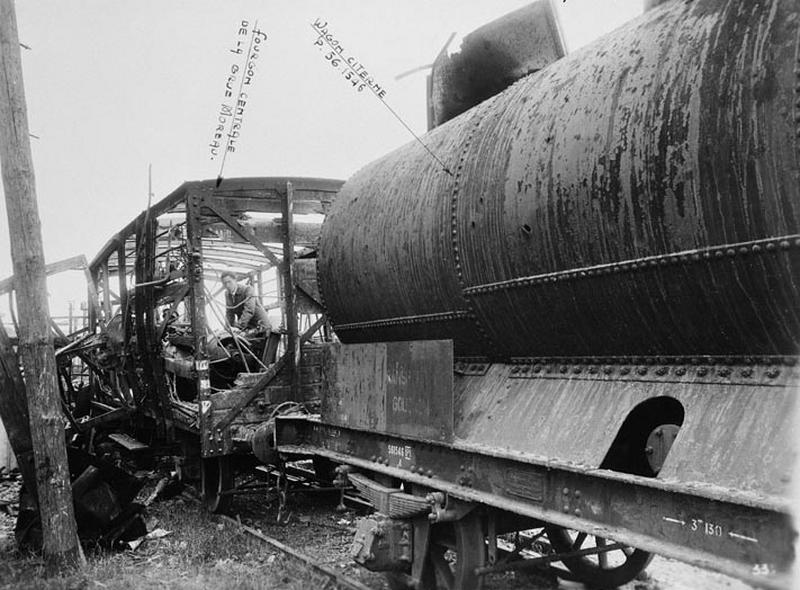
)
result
[(752, 540)]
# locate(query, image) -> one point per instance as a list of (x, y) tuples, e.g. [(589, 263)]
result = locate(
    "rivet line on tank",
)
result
[(320, 283), (406, 321), (674, 361), (713, 253), (715, 368), (454, 229)]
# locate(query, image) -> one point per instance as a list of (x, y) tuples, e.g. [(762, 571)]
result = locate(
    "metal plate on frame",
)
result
[(403, 388)]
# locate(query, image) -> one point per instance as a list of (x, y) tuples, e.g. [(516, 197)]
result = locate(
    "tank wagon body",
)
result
[(589, 323), (627, 200)]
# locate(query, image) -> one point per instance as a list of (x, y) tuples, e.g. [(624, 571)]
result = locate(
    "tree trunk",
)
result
[(14, 411), (60, 538)]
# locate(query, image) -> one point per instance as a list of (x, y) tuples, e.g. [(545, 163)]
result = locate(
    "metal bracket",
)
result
[(447, 509)]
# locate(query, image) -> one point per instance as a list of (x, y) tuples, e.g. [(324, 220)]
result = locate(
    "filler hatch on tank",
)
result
[(492, 58)]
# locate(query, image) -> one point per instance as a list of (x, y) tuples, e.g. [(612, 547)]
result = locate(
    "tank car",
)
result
[(585, 326)]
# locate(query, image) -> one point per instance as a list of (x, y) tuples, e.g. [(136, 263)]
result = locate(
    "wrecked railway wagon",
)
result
[(167, 367), (588, 329)]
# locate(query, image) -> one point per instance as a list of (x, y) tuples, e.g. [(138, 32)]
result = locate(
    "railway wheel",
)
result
[(216, 477), (602, 570), (398, 581), (455, 551)]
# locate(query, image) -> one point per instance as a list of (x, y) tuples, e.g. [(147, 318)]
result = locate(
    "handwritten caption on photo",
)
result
[(242, 71), (351, 68)]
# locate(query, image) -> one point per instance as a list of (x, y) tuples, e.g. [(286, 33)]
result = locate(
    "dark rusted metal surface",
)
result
[(638, 196), (493, 57), (400, 387)]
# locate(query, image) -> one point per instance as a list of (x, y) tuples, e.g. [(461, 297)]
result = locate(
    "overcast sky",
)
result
[(112, 86)]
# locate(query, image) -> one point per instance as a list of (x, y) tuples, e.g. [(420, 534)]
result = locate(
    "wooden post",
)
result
[(259, 286), (106, 292), (145, 325), (60, 538), (122, 269), (287, 266), (212, 441)]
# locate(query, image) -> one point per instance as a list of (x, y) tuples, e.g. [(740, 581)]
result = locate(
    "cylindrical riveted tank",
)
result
[(640, 196)]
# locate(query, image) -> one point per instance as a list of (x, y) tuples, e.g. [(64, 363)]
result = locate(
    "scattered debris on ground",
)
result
[(184, 548), (187, 548)]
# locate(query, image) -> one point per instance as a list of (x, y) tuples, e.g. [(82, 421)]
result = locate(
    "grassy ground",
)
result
[(199, 553)]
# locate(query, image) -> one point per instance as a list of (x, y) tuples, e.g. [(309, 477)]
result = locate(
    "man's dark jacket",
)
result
[(245, 307)]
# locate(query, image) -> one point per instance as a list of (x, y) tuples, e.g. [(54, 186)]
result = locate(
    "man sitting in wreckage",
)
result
[(243, 310), (248, 319)]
